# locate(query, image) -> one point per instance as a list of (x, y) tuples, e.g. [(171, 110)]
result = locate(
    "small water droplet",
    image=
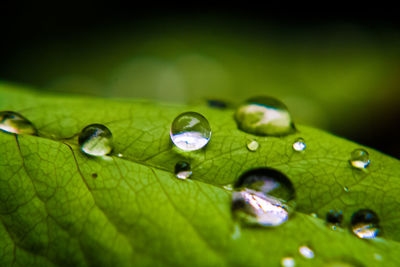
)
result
[(288, 262), (190, 131), (263, 197), (228, 187), (306, 252), (252, 145), (182, 170), (314, 215), (359, 158), (334, 217), (299, 145), (216, 103), (119, 155), (346, 189), (264, 116), (365, 224), (96, 140), (12, 122)]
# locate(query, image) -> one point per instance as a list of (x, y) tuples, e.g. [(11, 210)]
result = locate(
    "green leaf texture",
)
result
[(59, 207)]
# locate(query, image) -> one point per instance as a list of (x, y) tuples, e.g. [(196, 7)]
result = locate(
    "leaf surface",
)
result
[(60, 207)]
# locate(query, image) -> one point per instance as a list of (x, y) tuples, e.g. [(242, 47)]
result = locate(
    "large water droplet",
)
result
[(264, 116), (190, 131), (288, 262), (96, 140), (299, 145), (306, 252), (252, 145), (182, 170), (263, 197), (359, 158), (365, 224), (12, 122), (334, 217)]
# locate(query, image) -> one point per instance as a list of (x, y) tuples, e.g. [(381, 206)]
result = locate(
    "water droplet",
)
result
[(216, 103), (365, 224), (334, 217), (314, 215), (190, 131), (346, 189), (288, 262), (306, 252), (264, 116), (228, 187), (252, 145), (359, 158), (12, 122), (119, 155), (96, 140), (182, 170), (299, 145), (263, 197)]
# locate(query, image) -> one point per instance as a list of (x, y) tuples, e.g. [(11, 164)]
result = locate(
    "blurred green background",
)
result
[(339, 73)]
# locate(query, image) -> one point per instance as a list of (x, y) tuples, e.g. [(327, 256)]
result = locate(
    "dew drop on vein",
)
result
[(252, 145), (190, 131), (182, 170), (263, 197), (264, 116), (12, 122), (96, 140), (359, 158), (365, 224), (306, 252), (299, 145)]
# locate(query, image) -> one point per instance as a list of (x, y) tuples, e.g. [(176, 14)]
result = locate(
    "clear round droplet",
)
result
[(334, 217), (96, 140), (12, 122), (264, 116), (359, 158), (288, 262), (365, 224), (252, 145), (346, 189), (190, 131), (263, 197), (182, 170), (306, 252), (299, 145)]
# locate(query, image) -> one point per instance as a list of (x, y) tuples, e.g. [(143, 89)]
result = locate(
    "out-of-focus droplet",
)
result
[(190, 131), (288, 262), (12, 122), (334, 217), (264, 116), (96, 140), (182, 170), (306, 252), (359, 158)]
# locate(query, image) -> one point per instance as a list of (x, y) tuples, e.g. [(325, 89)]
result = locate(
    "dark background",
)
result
[(43, 43)]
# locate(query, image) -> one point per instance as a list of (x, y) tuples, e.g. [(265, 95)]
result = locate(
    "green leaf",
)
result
[(60, 207)]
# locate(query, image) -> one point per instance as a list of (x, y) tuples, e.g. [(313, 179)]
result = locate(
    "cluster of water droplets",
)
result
[(263, 196)]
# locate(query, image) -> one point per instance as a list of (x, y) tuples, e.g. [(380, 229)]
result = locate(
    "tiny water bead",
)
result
[(12, 122), (252, 145), (299, 145), (288, 262), (182, 170), (306, 252), (365, 224), (359, 158), (334, 217), (96, 140), (264, 116), (263, 197), (190, 131)]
